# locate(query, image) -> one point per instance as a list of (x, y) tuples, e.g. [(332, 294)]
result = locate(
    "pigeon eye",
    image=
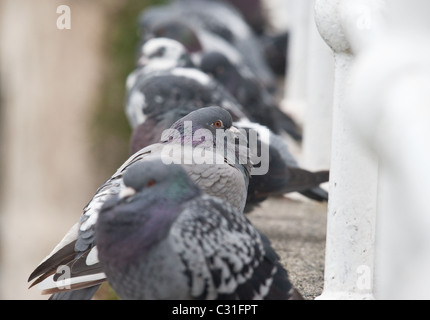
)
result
[(219, 70), (218, 124), (159, 53), (150, 183)]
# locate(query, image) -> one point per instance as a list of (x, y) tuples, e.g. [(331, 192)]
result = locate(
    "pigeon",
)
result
[(203, 26), (248, 91), (241, 91), (162, 238), (274, 43), (252, 12), (159, 54), (275, 51), (164, 50), (192, 142), (160, 98), (284, 174), (157, 99), (166, 61)]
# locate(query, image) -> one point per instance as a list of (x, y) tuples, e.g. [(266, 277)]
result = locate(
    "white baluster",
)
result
[(295, 84), (389, 102), (349, 264), (319, 100)]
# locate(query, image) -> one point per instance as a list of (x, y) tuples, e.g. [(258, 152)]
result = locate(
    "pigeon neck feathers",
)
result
[(160, 197)]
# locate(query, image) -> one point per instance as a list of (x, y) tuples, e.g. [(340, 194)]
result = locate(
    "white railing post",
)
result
[(308, 85), (389, 100), (295, 82), (349, 262), (319, 100)]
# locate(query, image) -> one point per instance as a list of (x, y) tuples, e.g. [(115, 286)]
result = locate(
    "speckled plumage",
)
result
[(171, 93), (171, 241), (167, 95), (226, 179), (203, 26)]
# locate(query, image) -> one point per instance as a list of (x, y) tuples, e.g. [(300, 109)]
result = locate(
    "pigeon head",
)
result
[(149, 184), (144, 210), (163, 53), (198, 125), (147, 176), (215, 63), (178, 31), (240, 82), (221, 68), (208, 118)]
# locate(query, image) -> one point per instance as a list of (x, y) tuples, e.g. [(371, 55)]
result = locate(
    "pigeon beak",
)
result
[(127, 192), (143, 61), (235, 132)]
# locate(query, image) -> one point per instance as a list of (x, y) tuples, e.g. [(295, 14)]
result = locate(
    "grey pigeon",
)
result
[(159, 98), (240, 93), (163, 238), (284, 173), (192, 142), (275, 51), (253, 13), (159, 54), (274, 43), (245, 87), (203, 26)]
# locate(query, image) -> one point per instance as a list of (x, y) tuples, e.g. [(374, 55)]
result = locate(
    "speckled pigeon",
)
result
[(158, 99), (192, 142), (259, 103), (238, 92), (165, 80), (284, 173), (167, 99), (274, 43), (163, 238), (203, 26), (159, 54)]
